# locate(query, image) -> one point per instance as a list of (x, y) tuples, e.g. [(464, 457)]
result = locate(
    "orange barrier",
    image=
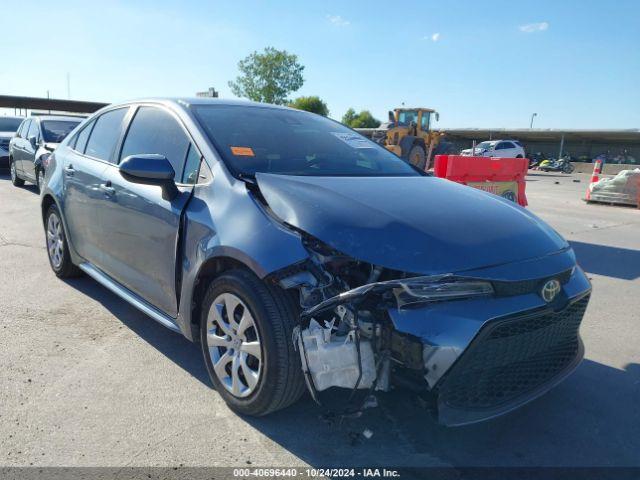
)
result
[(502, 176), (595, 177)]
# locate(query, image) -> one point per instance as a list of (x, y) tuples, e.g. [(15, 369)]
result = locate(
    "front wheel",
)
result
[(245, 333), (418, 157), (15, 180), (568, 168)]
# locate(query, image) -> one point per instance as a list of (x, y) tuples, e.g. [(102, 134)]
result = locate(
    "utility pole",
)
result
[(532, 117), (68, 86)]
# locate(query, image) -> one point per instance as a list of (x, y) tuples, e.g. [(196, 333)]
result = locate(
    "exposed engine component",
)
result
[(335, 360), (357, 344)]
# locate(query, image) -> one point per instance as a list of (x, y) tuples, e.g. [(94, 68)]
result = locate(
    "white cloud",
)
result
[(534, 27), (435, 37), (338, 21)]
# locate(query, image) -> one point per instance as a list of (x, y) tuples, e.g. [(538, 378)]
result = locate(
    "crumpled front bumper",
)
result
[(485, 357)]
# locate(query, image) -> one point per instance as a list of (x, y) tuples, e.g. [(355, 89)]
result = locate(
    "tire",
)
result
[(40, 179), (276, 377), (519, 156), (15, 179), (418, 157), (568, 168), (57, 247)]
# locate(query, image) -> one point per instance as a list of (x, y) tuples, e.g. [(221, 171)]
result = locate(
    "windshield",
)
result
[(9, 124), (484, 145), (407, 117), (54, 131), (291, 142)]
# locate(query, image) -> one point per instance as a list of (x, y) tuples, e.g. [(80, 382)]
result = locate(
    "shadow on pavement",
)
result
[(591, 419), (172, 345), (609, 261)]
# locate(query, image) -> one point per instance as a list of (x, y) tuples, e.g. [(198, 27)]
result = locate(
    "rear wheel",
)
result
[(245, 334), (17, 181), (57, 247), (417, 157)]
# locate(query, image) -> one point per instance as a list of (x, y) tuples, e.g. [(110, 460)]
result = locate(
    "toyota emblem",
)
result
[(550, 290)]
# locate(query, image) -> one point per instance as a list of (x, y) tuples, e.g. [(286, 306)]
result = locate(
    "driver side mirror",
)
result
[(150, 169)]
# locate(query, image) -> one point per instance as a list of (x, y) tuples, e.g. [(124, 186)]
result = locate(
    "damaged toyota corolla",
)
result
[(301, 255)]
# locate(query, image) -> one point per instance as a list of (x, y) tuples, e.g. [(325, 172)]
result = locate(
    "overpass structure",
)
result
[(50, 104)]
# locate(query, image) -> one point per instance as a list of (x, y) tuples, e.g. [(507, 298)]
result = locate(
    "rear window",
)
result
[(9, 124), (291, 142), (54, 131)]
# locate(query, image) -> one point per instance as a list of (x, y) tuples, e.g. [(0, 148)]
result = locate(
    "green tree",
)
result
[(311, 104), (349, 117), (364, 119), (268, 77)]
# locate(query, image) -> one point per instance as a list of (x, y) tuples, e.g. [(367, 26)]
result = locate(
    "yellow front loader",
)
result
[(408, 134)]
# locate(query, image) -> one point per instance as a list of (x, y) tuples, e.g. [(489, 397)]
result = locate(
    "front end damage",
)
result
[(446, 299), (473, 347)]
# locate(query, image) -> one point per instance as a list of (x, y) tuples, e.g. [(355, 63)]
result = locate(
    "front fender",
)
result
[(224, 221)]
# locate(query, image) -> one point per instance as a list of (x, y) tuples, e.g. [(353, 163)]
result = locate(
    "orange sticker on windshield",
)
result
[(243, 151)]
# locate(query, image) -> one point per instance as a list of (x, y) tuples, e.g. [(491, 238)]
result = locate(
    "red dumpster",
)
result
[(501, 176)]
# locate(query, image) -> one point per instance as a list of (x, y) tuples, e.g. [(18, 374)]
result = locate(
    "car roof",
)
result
[(189, 101), (59, 117)]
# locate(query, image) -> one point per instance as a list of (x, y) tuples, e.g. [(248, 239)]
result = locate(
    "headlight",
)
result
[(427, 289)]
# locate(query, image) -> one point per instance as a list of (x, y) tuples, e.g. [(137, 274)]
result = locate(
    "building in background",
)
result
[(211, 93)]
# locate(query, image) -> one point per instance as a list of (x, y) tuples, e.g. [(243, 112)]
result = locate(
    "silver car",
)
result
[(32, 144)]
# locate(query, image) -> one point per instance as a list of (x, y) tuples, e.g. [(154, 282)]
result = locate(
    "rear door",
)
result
[(505, 149), (18, 145), (140, 226), (29, 153), (84, 164)]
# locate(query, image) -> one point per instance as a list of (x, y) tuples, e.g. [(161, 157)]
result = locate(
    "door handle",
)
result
[(107, 188), (69, 171)]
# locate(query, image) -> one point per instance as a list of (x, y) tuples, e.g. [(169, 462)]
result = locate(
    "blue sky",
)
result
[(480, 63)]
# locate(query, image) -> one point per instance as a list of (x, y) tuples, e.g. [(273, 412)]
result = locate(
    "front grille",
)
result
[(513, 357), (505, 289)]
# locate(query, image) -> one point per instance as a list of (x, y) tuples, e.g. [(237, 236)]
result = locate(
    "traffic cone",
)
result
[(595, 178)]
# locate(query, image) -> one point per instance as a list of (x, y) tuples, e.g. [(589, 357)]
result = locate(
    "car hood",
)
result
[(420, 225)]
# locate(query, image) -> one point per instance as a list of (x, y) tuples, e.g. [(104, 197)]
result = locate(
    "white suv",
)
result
[(497, 148)]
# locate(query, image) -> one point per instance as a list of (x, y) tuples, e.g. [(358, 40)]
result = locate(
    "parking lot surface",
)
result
[(87, 380)]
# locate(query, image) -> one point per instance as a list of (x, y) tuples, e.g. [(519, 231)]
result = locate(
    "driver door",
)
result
[(140, 226)]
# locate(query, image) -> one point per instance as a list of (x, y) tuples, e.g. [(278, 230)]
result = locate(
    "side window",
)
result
[(82, 137), (501, 146), (506, 145), (154, 130), (25, 128), (105, 134), (191, 166), (424, 121), (33, 130)]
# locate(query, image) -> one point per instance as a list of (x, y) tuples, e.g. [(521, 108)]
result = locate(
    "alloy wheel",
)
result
[(234, 345), (55, 240)]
